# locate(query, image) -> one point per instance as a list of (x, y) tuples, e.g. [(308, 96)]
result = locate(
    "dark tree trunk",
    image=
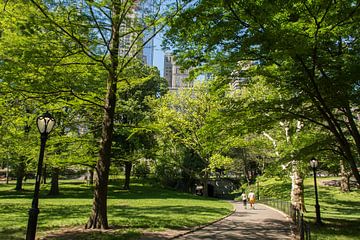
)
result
[(345, 147), (344, 144), (128, 166), (44, 175), (20, 174), (335, 128), (91, 176), (54, 190), (205, 184), (7, 175), (98, 217)]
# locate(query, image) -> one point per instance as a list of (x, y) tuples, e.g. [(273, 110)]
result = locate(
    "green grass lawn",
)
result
[(340, 212), (129, 212)]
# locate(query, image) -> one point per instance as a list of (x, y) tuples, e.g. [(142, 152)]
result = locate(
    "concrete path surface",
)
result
[(259, 223)]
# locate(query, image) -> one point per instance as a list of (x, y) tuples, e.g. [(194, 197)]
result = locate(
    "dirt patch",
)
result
[(337, 183), (331, 183), (80, 233), (167, 234)]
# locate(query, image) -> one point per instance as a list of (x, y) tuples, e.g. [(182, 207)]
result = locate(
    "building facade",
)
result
[(130, 42), (174, 75)]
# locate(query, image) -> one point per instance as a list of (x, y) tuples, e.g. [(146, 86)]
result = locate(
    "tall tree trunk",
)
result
[(345, 147), (98, 217), (54, 190), (205, 183), (44, 175), (336, 129), (344, 184), (128, 166), (20, 173), (297, 189), (91, 176), (7, 174)]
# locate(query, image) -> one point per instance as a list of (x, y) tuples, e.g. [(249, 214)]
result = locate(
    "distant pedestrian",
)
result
[(244, 199), (251, 197)]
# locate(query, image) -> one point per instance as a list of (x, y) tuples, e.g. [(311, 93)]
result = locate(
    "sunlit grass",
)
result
[(129, 212), (340, 212)]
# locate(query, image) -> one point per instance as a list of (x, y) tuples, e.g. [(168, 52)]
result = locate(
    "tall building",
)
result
[(147, 8), (148, 51), (142, 9), (174, 75)]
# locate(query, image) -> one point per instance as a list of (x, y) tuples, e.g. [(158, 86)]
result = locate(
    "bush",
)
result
[(141, 170)]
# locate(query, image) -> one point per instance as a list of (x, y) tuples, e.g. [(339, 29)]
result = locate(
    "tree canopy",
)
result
[(310, 49)]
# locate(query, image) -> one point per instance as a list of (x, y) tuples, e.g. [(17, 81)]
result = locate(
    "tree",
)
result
[(310, 48), (132, 138), (189, 117), (104, 24)]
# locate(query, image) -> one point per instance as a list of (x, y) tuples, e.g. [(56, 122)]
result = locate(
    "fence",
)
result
[(302, 227)]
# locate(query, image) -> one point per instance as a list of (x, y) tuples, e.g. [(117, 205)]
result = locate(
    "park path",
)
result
[(260, 223)]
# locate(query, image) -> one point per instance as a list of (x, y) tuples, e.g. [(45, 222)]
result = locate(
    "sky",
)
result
[(159, 55)]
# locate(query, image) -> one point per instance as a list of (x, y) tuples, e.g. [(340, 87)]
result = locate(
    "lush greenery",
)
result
[(340, 212), (281, 87), (130, 211)]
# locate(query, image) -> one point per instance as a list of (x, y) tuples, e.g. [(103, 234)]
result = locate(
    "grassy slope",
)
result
[(143, 207), (339, 211)]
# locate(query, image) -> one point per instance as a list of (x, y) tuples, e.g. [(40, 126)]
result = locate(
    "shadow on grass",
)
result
[(73, 206), (96, 235), (334, 227), (82, 191), (174, 217), (331, 205), (168, 216)]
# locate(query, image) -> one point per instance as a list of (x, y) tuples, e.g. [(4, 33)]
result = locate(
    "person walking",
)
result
[(251, 197), (244, 199)]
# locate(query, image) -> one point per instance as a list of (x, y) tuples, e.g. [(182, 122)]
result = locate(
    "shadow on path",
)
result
[(259, 223)]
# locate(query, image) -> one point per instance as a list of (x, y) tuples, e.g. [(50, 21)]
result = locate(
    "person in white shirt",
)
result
[(251, 197)]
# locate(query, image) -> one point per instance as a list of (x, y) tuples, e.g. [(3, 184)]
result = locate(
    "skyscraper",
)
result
[(174, 75), (127, 46)]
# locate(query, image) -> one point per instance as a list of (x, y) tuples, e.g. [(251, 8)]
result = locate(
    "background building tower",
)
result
[(127, 47), (174, 75)]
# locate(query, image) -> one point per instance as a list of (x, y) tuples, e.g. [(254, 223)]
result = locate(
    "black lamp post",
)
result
[(45, 124), (314, 164)]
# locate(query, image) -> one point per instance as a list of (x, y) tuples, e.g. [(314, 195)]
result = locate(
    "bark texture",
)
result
[(98, 217), (128, 166), (54, 190), (205, 184), (20, 174), (91, 176), (297, 189), (345, 178)]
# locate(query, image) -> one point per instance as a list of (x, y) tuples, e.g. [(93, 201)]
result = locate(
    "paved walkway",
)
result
[(259, 223)]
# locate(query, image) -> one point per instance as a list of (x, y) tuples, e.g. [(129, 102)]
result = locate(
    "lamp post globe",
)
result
[(314, 164), (45, 124)]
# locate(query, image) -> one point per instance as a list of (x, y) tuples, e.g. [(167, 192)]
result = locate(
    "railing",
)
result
[(297, 217)]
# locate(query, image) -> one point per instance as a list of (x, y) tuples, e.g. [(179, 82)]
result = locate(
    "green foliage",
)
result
[(191, 118), (298, 58), (141, 170), (219, 161)]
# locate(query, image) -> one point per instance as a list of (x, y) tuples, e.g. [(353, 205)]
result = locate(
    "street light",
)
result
[(45, 124), (314, 164)]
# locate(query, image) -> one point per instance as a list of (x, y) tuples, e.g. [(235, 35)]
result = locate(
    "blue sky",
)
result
[(159, 55)]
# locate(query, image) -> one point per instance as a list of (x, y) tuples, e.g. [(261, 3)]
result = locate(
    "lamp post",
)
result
[(314, 164), (45, 124)]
